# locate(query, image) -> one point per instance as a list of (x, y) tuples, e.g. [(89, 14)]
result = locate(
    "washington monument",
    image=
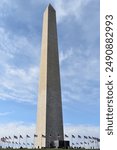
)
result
[(49, 126)]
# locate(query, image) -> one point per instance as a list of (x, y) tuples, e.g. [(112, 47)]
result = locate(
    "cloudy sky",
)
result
[(20, 42)]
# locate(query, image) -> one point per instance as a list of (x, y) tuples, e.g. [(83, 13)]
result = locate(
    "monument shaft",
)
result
[(49, 114)]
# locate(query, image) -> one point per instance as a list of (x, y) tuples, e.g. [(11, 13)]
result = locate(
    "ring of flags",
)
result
[(86, 140), (83, 141), (15, 141)]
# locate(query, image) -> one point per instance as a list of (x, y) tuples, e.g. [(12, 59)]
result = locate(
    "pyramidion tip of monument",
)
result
[(51, 7)]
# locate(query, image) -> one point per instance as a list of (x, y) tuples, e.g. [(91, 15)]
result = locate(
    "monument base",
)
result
[(61, 144)]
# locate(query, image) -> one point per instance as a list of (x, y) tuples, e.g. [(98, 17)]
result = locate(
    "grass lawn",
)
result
[(47, 149)]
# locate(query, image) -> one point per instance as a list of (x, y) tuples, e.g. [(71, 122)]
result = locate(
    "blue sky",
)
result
[(20, 42)]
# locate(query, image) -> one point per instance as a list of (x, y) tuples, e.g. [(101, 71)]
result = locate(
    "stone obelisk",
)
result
[(49, 111)]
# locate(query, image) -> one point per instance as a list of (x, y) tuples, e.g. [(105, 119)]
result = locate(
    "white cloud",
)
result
[(88, 130), (5, 113), (19, 85), (66, 8), (79, 75), (13, 45), (69, 8), (18, 82), (17, 128), (26, 76), (63, 56)]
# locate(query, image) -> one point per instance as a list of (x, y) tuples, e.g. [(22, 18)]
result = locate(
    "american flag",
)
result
[(79, 136), (85, 137), (66, 135), (43, 136), (73, 136), (21, 137), (15, 137), (27, 136)]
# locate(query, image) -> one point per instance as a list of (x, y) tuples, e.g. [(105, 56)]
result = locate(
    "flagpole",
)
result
[(13, 141), (49, 140), (8, 143), (84, 144), (97, 143), (78, 141), (41, 141), (26, 141), (33, 141), (71, 138), (88, 142), (19, 141), (93, 144)]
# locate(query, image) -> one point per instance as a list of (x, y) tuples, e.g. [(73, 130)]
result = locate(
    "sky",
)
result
[(79, 56)]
